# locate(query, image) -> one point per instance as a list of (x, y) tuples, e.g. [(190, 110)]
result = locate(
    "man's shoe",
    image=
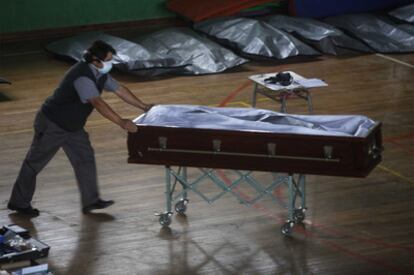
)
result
[(100, 204), (30, 211)]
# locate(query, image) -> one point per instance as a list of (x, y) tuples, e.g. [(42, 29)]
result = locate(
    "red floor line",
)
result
[(351, 253), (399, 137), (307, 233), (234, 93), (401, 146), (328, 243), (257, 206), (359, 256), (339, 233), (277, 194)]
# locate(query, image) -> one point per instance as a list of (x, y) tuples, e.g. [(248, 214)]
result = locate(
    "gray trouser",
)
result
[(47, 140)]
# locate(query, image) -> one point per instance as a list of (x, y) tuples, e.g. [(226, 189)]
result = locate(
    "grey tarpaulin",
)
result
[(130, 56), (185, 46), (257, 120), (323, 37), (377, 31), (254, 38), (405, 13), (409, 28)]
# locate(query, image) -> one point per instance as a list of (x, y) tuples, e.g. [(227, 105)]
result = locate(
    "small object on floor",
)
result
[(30, 211), (42, 269), (18, 249), (100, 204)]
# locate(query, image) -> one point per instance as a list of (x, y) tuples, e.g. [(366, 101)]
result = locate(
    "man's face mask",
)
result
[(107, 66)]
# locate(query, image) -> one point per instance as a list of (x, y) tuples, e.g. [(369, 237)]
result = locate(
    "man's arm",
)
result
[(126, 95), (106, 111)]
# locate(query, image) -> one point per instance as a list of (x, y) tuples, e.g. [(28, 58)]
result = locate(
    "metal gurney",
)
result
[(247, 139)]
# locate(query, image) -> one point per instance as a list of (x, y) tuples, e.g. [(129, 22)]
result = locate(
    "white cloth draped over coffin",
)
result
[(256, 120), (256, 139)]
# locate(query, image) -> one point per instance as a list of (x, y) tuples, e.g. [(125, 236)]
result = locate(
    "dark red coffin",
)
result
[(243, 150)]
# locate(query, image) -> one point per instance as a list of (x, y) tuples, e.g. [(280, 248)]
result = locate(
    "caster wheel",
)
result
[(181, 206), (165, 219), (298, 216), (287, 229)]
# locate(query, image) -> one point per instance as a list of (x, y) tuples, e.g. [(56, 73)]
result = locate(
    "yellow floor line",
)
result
[(263, 99), (396, 60), (398, 175), (237, 103)]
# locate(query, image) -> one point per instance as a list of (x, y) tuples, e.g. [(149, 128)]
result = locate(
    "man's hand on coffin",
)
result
[(129, 126), (147, 107)]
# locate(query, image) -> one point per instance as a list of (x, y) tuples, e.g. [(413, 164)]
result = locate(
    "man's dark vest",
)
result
[(64, 106)]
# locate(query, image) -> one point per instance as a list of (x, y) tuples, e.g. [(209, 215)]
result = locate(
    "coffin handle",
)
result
[(375, 151), (271, 149), (327, 151), (162, 142), (216, 145)]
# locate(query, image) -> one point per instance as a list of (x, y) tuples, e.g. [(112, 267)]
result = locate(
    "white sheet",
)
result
[(255, 120)]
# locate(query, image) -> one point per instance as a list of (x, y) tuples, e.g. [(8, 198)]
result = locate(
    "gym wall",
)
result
[(31, 15)]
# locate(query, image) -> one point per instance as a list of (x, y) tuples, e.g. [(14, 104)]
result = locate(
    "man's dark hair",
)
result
[(99, 49)]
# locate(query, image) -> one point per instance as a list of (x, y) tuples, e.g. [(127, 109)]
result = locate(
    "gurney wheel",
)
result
[(165, 219), (298, 215), (287, 228), (181, 206)]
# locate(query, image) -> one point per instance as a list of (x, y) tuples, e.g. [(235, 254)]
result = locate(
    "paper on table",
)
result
[(276, 87), (311, 82)]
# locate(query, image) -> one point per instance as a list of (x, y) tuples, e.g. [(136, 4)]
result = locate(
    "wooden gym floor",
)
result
[(353, 226)]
